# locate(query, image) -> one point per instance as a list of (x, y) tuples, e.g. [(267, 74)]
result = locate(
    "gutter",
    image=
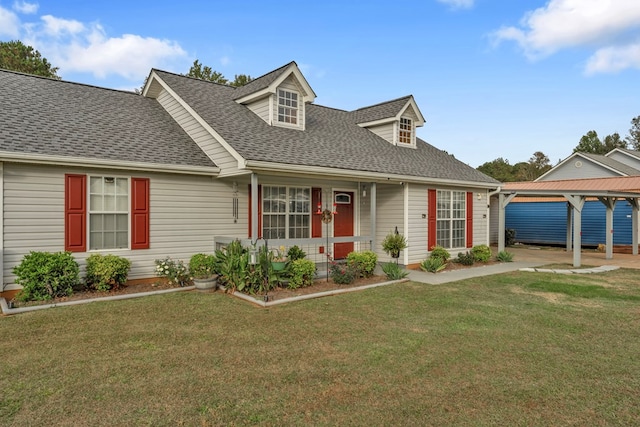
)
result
[(108, 164), (357, 175)]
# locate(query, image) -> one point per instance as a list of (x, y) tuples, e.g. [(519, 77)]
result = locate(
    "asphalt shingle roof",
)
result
[(53, 117), (380, 111), (331, 139), (614, 164)]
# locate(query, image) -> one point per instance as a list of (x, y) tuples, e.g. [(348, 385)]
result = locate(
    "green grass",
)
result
[(512, 349)]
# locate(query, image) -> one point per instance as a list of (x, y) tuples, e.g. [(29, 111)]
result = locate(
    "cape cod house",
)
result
[(192, 164)]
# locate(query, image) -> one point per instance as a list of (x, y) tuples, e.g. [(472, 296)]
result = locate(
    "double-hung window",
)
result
[(287, 107), (108, 212), (451, 219), (286, 212), (405, 135)]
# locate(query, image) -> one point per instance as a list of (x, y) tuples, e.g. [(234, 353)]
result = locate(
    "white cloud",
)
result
[(57, 27), (9, 23), (74, 46), (562, 24), (458, 4), (614, 59), (24, 7)]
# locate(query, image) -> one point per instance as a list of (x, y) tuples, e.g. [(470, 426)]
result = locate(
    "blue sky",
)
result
[(494, 78)]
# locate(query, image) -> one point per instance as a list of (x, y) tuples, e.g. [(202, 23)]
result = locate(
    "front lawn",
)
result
[(511, 349)]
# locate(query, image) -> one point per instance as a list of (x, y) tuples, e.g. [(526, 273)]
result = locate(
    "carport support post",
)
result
[(569, 227), (578, 203), (502, 204), (634, 225), (610, 203)]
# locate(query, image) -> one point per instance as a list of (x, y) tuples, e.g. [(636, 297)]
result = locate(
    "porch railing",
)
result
[(317, 249)]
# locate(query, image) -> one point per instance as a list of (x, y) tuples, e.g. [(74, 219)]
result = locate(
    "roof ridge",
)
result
[(192, 78), (270, 72), (35, 76), (381, 103)]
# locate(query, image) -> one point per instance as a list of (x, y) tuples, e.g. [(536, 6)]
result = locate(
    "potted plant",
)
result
[(202, 268), (279, 260), (393, 244)]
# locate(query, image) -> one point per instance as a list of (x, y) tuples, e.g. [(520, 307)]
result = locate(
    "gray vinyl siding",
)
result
[(493, 219), (390, 214), (417, 225), (587, 170), (385, 131), (221, 157), (626, 159), (185, 211), (261, 108), (480, 218), (410, 114)]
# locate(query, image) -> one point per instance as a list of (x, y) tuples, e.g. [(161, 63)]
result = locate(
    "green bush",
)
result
[(174, 271), (433, 264), (365, 262), (342, 273), (302, 273), (393, 271), (504, 256), (46, 275), (440, 252), (393, 243), (232, 264), (295, 253), (481, 253), (465, 258), (202, 266), (106, 272)]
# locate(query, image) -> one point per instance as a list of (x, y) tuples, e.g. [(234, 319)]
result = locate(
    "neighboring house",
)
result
[(191, 164), (544, 216)]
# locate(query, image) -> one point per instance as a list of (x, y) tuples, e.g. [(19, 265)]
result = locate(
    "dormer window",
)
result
[(287, 107), (405, 135)]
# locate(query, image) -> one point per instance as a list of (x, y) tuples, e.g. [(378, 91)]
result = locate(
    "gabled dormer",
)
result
[(279, 97), (395, 121)]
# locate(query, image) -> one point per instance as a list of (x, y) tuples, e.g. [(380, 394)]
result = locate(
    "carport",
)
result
[(576, 191)]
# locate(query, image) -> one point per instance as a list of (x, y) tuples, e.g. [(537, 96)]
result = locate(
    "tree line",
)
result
[(538, 164)]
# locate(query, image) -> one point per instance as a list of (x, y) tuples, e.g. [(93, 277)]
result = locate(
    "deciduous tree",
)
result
[(634, 133)]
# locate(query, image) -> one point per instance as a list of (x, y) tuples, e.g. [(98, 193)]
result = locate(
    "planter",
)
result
[(278, 265), (206, 284)]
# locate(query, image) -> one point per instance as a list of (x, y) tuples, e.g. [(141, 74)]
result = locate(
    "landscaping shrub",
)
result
[(202, 266), (504, 256), (295, 253), (465, 258), (364, 262), (106, 272), (509, 236), (393, 271), (175, 271), (46, 275), (342, 273), (433, 264), (440, 252), (302, 273), (481, 253), (232, 265)]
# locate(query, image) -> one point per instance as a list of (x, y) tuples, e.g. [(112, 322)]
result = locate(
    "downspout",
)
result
[(489, 195)]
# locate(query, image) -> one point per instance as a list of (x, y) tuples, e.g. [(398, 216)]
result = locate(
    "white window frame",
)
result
[(406, 126), (92, 212), (449, 217), (288, 213), (281, 94)]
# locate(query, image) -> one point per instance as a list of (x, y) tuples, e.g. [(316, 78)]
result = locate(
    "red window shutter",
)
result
[(140, 213), (316, 220), (469, 219), (75, 213), (259, 212), (431, 221)]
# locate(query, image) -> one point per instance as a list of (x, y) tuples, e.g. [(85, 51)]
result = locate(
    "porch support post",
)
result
[(610, 203), (634, 225), (503, 201), (569, 224), (372, 208), (254, 206), (578, 203)]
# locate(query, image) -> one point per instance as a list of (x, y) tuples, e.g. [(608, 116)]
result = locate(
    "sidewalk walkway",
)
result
[(527, 257)]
